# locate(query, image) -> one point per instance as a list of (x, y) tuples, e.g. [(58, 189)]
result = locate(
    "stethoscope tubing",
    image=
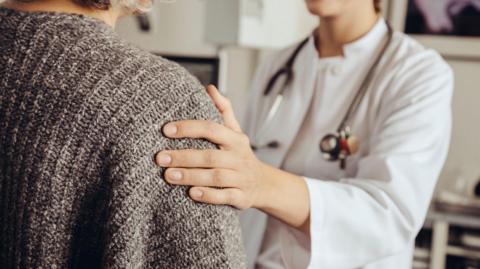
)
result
[(288, 71), (353, 108)]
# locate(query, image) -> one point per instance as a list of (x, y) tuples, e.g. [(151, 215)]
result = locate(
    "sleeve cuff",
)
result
[(294, 241), (317, 219)]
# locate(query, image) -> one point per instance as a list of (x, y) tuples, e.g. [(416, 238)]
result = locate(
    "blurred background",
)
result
[(222, 41)]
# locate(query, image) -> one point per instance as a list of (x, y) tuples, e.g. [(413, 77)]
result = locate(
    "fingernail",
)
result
[(175, 175), (164, 159), (196, 193), (170, 129)]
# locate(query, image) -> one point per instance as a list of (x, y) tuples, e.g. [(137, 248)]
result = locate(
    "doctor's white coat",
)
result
[(368, 215)]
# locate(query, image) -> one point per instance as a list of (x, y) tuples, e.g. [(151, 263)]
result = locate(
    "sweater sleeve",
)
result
[(152, 224)]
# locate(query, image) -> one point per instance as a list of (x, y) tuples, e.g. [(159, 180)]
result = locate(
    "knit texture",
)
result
[(81, 114)]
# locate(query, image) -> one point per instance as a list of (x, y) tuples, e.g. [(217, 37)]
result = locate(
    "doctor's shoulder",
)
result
[(416, 70), (412, 57)]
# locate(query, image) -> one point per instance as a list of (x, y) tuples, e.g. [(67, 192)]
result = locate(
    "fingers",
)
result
[(196, 159), (209, 130), (220, 101), (221, 178), (229, 196), (225, 107)]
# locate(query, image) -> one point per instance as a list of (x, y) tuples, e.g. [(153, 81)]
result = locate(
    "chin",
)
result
[(324, 8)]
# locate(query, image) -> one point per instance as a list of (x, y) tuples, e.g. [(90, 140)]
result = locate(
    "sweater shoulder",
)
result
[(158, 88), (155, 76), (153, 92), (99, 83), (136, 86)]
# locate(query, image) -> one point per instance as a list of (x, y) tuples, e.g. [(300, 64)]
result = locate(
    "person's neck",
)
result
[(334, 32), (110, 16)]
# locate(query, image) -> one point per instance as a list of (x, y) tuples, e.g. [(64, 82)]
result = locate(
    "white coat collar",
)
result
[(367, 42), (361, 46)]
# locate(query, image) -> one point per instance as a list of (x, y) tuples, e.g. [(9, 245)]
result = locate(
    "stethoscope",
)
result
[(334, 147)]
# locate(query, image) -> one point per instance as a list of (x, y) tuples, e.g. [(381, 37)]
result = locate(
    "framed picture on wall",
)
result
[(450, 26)]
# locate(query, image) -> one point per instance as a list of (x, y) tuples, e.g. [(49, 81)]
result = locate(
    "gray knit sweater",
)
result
[(80, 122)]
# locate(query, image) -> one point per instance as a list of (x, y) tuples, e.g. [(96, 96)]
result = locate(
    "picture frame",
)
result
[(462, 47)]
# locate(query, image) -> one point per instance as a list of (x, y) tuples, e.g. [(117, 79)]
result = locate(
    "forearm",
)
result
[(285, 196)]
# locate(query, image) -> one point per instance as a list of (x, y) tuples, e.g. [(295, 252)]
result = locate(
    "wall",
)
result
[(177, 29), (255, 23), (464, 157)]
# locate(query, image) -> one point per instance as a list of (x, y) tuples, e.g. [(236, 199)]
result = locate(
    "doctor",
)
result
[(360, 200)]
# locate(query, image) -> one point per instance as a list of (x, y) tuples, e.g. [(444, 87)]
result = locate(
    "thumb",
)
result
[(225, 107)]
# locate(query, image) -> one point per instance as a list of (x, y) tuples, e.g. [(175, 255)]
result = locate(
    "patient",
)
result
[(81, 114)]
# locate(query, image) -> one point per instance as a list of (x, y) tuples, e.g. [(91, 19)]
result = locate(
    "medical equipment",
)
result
[(256, 23), (205, 69), (335, 147)]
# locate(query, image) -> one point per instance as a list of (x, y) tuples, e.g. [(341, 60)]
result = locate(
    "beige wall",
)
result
[(464, 156), (177, 29)]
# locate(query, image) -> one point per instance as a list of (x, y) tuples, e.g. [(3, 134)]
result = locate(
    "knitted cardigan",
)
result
[(81, 114)]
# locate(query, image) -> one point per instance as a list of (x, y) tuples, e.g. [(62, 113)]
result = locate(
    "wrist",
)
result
[(265, 187), (284, 196)]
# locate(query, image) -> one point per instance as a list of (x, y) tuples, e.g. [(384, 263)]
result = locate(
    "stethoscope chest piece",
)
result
[(330, 147), (339, 147)]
